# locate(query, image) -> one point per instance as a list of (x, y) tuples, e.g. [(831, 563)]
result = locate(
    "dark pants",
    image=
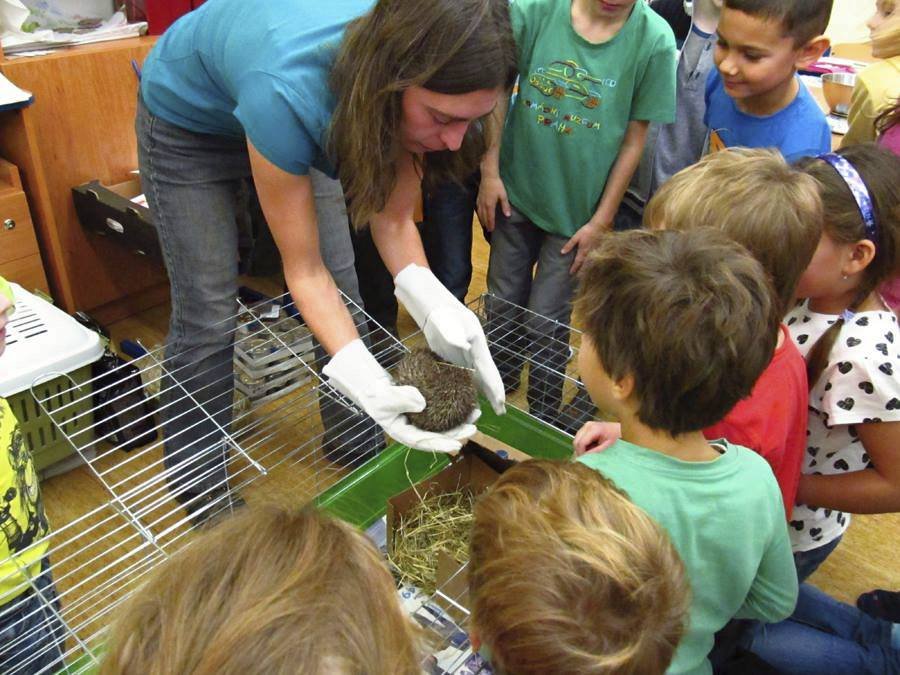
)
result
[(529, 313), (32, 636)]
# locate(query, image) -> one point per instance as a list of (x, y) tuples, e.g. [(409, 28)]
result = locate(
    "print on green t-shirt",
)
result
[(575, 99)]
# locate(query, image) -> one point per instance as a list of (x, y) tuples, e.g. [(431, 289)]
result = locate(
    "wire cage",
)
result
[(255, 427)]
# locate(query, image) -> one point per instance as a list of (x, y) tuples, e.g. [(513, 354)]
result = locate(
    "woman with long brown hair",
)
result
[(288, 92)]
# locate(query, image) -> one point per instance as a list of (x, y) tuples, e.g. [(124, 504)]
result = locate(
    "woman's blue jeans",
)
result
[(826, 637), (191, 181)]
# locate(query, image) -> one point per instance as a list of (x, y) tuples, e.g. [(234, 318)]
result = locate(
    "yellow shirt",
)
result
[(22, 519), (877, 86)]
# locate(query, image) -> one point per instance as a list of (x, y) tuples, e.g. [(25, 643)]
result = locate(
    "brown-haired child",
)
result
[(678, 327), (568, 576), (754, 97), (775, 212), (268, 591)]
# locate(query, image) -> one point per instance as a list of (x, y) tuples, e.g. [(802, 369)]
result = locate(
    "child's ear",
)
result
[(474, 640), (811, 52), (860, 255), (623, 388)]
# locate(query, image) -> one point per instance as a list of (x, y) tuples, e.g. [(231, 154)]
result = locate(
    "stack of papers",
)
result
[(16, 41), (11, 96)]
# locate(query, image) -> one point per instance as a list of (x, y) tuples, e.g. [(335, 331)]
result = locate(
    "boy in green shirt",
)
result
[(592, 76), (672, 340), (31, 635)]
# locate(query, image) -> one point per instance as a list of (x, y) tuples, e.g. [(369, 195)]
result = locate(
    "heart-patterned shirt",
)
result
[(860, 384)]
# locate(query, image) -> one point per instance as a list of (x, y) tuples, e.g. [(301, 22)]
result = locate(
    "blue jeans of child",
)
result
[(32, 636), (448, 210), (527, 270), (826, 637), (808, 562), (191, 181)]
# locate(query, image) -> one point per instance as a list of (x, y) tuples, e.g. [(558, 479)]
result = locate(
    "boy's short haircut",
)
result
[(756, 198), (691, 316), (268, 591), (802, 19), (566, 575)]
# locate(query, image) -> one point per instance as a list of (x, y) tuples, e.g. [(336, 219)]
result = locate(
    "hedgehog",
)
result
[(449, 391)]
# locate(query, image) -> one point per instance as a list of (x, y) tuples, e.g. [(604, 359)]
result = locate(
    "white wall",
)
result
[(848, 20)]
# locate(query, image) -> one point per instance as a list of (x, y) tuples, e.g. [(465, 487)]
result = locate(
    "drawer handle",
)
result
[(9, 224)]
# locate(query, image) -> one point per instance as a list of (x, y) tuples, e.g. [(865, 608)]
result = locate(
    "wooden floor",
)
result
[(867, 558)]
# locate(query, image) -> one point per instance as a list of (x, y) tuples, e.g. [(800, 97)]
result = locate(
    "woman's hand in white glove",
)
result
[(451, 329), (355, 373)]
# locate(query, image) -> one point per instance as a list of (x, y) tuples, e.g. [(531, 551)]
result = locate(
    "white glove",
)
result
[(355, 373), (451, 329)]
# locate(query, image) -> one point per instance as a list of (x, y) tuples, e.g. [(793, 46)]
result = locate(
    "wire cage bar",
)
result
[(253, 426)]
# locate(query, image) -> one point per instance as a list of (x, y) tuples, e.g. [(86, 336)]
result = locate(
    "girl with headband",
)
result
[(851, 343)]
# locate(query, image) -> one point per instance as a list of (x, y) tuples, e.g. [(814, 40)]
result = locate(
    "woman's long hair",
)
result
[(446, 46)]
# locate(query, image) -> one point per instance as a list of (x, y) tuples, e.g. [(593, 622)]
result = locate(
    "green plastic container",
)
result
[(361, 498), (48, 446)]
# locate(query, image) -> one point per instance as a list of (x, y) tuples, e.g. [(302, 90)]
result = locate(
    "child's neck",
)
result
[(770, 102), (837, 304), (689, 447), (594, 25)]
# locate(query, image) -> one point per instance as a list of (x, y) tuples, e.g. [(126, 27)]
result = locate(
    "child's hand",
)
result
[(490, 192), (596, 437), (582, 240)]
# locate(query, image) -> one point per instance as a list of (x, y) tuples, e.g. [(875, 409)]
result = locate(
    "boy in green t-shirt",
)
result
[(592, 76), (678, 327), (31, 634)]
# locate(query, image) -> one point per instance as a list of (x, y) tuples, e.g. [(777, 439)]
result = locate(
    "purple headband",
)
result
[(859, 191)]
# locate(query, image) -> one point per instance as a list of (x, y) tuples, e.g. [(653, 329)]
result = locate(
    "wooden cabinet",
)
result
[(80, 128), (20, 258)]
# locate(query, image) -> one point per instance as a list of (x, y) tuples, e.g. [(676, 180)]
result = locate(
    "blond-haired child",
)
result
[(268, 591), (678, 327), (568, 576), (878, 85)]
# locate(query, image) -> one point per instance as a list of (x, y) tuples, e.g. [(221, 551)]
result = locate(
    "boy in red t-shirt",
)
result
[(775, 212)]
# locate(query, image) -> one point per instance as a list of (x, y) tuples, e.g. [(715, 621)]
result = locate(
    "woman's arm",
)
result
[(393, 229), (289, 206), (868, 491)]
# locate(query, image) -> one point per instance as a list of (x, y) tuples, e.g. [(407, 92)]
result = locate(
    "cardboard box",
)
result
[(474, 470), (467, 472)]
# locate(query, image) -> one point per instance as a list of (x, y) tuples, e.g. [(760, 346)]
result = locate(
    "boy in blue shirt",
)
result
[(754, 97), (672, 325)]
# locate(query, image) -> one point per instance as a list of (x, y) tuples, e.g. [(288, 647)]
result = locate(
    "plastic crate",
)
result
[(48, 352), (265, 357)]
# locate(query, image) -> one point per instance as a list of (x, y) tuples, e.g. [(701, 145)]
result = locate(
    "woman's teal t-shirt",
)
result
[(254, 69)]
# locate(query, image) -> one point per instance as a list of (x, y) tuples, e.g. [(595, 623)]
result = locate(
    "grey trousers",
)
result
[(191, 181), (526, 270)]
